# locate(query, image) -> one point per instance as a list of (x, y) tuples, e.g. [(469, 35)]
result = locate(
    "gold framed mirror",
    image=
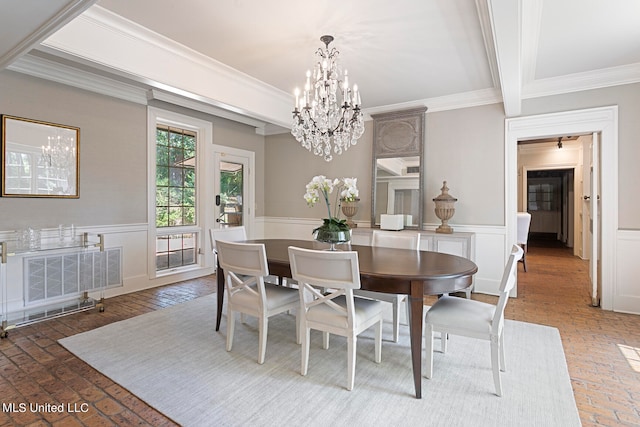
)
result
[(39, 159)]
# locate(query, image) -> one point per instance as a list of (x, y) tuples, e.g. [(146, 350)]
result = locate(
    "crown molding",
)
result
[(614, 76), (107, 40), (443, 103), (75, 77), (70, 11)]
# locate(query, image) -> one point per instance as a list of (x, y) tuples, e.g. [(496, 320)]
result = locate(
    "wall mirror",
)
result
[(397, 186), (39, 159)]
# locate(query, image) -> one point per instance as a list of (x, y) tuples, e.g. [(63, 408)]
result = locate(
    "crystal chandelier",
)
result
[(59, 152), (327, 117)]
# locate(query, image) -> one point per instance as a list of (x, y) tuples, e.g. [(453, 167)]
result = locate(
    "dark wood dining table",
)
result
[(397, 271)]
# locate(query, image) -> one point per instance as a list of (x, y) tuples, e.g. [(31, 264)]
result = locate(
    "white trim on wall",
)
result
[(603, 120)]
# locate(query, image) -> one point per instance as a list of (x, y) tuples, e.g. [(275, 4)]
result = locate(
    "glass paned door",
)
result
[(233, 188), (229, 199)]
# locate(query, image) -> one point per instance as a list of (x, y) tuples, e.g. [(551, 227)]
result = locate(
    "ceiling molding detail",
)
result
[(57, 21), (205, 107), (614, 76), (143, 53), (489, 43), (531, 24), (71, 76)]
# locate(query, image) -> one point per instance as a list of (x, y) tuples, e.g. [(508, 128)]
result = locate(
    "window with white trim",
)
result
[(176, 218)]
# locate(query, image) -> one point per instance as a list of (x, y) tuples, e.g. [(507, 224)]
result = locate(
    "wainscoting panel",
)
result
[(626, 298)]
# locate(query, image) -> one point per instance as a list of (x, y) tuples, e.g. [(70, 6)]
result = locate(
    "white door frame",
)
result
[(603, 120), (249, 184)]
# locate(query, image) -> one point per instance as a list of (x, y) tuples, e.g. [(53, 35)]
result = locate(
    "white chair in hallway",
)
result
[(245, 267), (522, 234), (474, 319), (337, 312), (392, 239)]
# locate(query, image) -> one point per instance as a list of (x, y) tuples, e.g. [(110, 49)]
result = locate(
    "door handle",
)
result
[(586, 197), (217, 200)]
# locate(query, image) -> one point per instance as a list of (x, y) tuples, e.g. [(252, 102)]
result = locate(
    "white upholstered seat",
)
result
[(336, 312), (245, 267), (392, 239), (475, 319)]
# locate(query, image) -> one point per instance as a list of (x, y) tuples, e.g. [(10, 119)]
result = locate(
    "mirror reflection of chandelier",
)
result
[(60, 152), (327, 116)]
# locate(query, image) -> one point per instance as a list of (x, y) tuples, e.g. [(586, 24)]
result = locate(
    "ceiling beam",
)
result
[(506, 27)]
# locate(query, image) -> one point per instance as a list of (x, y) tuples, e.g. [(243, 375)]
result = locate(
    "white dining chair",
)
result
[(522, 234), (229, 234), (235, 234), (338, 311), (245, 267), (474, 319), (392, 239)]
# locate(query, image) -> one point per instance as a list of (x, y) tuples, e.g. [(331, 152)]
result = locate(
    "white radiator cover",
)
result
[(55, 277)]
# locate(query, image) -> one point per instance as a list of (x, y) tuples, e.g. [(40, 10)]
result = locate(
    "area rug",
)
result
[(174, 360)]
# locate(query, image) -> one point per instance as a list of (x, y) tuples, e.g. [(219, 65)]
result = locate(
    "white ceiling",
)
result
[(401, 53)]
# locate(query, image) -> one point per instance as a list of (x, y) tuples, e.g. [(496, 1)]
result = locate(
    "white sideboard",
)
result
[(460, 244)]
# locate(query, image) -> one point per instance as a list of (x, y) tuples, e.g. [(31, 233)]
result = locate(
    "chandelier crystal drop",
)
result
[(327, 118)]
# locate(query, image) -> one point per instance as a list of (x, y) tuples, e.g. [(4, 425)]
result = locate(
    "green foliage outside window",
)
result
[(175, 177)]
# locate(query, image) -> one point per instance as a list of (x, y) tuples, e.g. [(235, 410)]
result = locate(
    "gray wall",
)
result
[(469, 157), (113, 153), (627, 98), (464, 147)]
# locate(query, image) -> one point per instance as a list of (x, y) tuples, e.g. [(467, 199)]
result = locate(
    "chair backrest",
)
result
[(325, 269), (524, 221), (249, 259), (229, 234), (507, 283), (317, 270), (395, 239)]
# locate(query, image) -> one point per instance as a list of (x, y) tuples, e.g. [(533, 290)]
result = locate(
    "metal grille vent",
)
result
[(61, 276)]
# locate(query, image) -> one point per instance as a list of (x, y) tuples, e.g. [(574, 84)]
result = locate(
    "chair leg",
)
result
[(379, 341), (298, 329), (396, 319), (495, 363), (351, 361), (305, 350), (325, 340), (406, 308), (231, 321), (524, 258), (503, 365), (444, 337), (428, 344), (263, 328)]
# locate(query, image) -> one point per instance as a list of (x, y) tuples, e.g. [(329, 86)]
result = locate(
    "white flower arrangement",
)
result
[(347, 190)]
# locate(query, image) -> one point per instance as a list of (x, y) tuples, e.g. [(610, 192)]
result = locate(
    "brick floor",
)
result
[(602, 350)]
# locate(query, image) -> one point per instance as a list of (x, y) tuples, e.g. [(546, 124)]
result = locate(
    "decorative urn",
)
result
[(444, 209), (350, 209)]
